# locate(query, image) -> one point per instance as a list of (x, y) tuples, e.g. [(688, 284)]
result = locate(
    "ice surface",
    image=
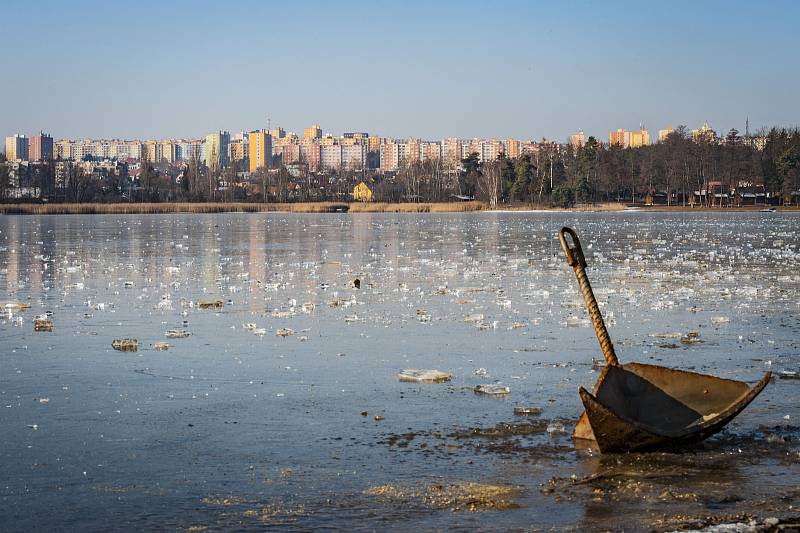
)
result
[(285, 349)]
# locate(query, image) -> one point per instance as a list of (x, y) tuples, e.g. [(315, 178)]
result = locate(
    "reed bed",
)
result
[(444, 207), (235, 207)]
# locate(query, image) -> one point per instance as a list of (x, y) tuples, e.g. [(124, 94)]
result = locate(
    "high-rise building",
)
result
[(430, 151), (354, 156), (704, 133), (238, 149), (154, 151), (412, 151), (663, 134), (290, 153), (259, 147), (491, 149), (638, 138), (216, 149), (189, 150), (620, 137), (169, 151), (122, 150), (390, 156), (17, 147), (313, 132), (64, 149), (40, 147), (277, 133), (577, 139), (512, 148), (452, 151), (331, 156), (374, 143), (472, 146), (311, 155)]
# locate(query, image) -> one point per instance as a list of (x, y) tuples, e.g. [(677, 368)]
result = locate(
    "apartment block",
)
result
[(619, 137), (704, 133), (451, 148), (577, 139), (354, 156), (216, 149), (331, 156), (17, 147), (40, 147), (259, 150), (638, 138), (312, 132), (512, 148), (311, 154)]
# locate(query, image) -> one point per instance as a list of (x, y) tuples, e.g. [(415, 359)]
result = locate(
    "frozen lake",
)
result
[(237, 427)]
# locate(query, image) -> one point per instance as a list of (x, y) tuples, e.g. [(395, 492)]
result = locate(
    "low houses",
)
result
[(362, 193), (753, 195), (656, 198)]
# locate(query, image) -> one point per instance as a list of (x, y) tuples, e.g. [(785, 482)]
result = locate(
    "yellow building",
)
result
[(374, 143), (259, 149), (705, 133), (512, 148), (17, 147), (362, 193), (314, 132), (663, 134), (639, 138), (155, 151), (168, 151)]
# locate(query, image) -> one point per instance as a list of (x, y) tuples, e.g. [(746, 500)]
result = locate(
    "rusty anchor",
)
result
[(641, 407)]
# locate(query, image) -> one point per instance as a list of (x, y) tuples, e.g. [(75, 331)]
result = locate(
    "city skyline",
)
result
[(518, 70), (257, 148)]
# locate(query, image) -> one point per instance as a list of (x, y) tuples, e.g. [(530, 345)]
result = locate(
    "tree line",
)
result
[(676, 167), (560, 175)]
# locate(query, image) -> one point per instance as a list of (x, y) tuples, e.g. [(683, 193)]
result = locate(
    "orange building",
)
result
[(512, 148), (620, 137)]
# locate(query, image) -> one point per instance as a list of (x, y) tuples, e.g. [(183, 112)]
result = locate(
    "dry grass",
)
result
[(321, 207), (234, 207), (161, 208), (444, 207)]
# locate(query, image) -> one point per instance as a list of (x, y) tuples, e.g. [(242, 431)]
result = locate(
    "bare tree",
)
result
[(490, 182), (78, 184)]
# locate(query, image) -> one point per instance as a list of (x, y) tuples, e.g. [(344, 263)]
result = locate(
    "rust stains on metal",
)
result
[(637, 407)]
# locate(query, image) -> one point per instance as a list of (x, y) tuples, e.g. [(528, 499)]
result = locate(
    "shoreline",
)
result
[(343, 207)]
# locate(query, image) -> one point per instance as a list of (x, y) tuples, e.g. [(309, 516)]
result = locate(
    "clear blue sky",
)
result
[(153, 69)]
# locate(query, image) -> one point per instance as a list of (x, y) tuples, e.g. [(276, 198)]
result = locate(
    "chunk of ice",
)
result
[(415, 375)]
